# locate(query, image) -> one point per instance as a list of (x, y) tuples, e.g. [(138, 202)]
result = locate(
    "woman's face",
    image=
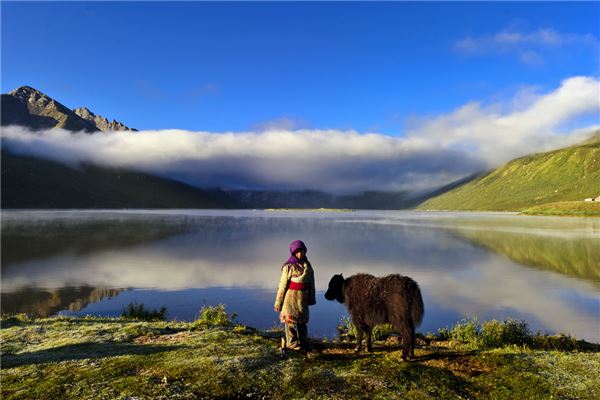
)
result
[(300, 254)]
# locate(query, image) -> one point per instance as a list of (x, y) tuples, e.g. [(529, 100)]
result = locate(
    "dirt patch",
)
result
[(460, 365)]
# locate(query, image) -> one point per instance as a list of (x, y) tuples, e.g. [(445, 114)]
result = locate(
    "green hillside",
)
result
[(568, 174)]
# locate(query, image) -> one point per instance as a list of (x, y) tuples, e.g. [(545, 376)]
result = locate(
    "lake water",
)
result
[(544, 270)]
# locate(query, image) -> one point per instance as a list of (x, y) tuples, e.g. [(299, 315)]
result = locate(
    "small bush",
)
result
[(466, 331), (211, 316), (240, 329), (347, 330), (490, 334), (442, 334), (555, 342), (383, 332), (502, 333), (138, 311)]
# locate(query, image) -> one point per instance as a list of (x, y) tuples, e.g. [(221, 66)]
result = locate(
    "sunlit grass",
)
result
[(91, 358), (567, 208), (564, 175)]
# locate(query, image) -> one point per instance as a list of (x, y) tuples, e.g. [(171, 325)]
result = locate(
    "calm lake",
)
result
[(544, 270)]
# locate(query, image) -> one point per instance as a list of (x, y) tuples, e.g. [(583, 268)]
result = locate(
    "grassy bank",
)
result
[(311, 209), (104, 358), (566, 208)]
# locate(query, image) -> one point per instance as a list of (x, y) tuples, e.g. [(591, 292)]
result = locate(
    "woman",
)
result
[(296, 292)]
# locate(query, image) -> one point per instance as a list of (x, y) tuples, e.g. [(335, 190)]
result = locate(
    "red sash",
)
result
[(297, 285)]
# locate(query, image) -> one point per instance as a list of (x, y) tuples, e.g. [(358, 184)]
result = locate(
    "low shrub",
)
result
[(496, 333), (509, 332), (467, 332), (555, 342), (347, 330), (212, 316), (138, 311)]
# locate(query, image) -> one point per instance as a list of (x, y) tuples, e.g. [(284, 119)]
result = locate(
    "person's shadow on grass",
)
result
[(81, 351)]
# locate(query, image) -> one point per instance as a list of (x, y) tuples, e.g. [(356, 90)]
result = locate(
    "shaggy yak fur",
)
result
[(393, 299)]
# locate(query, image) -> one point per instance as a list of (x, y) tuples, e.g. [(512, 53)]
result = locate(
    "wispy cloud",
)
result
[(433, 152), (149, 90), (285, 123), (204, 90), (527, 46)]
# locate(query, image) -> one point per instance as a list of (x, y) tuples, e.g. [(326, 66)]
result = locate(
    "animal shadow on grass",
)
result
[(81, 351), (416, 372), (345, 351)]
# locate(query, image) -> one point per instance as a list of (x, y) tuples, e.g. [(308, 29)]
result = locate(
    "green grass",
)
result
[(566, 208), (568, 174), (113, 358)]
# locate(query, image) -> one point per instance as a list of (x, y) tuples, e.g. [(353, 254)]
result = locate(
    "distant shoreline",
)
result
[(311, 209), (566, 209)]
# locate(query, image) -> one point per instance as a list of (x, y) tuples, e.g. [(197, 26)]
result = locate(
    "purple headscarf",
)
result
[(294, 247)]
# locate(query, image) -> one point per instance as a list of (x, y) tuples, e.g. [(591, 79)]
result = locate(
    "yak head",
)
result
[(336, 289)]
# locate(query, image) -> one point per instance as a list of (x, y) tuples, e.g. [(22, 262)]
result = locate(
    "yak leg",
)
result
[(359, 336), (369, 332), (407, 329), (358, 339)]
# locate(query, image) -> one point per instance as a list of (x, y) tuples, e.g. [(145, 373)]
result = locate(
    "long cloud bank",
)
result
[(433, 152)]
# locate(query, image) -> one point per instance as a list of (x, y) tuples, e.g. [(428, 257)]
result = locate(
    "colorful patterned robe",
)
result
[(293, 304)]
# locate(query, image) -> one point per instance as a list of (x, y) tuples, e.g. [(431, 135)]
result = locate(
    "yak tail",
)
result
[(417, 309)]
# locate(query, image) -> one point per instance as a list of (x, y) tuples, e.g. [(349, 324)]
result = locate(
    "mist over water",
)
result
[(489, 265)]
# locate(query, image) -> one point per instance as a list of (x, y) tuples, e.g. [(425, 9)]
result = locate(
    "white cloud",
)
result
[(432, 153), (333, 160), (533, 123), (527, 46)]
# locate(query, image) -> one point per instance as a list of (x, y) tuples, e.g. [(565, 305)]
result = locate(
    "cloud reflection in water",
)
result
[(201, 254)]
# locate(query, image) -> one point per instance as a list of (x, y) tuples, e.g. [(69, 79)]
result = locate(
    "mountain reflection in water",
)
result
[(467, 264)]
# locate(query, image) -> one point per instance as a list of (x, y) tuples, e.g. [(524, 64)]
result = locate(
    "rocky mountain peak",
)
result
[(28, 94), (27, 106), (101, 122), (84, 112)]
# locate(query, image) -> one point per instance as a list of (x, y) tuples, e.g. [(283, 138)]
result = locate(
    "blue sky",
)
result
[(246, 66), (341, 97)]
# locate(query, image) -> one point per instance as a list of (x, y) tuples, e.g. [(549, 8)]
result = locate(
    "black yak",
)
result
[(393, 299)]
